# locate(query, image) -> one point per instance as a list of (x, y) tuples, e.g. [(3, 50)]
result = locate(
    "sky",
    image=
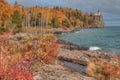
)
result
[(109, 8)]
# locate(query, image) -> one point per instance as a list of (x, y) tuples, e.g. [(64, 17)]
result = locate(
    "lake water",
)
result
[(103, 39)]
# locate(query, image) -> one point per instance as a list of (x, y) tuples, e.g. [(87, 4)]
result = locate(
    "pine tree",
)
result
[(16, 21), (55, 23)]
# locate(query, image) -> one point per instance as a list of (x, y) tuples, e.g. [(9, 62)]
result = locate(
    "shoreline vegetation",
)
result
[(69, 55), (29, 49)]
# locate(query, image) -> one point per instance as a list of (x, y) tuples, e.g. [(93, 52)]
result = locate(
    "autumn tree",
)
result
[(16, 6), (5, 14), (66, 23), (39, 16)]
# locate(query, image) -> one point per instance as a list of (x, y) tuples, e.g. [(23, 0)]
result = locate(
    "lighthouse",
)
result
[(98, 19)]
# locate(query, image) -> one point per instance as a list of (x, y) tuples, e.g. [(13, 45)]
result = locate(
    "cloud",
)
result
[(112, 6)]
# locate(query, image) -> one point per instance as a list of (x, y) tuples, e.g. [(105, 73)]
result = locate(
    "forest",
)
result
[(15, 17)]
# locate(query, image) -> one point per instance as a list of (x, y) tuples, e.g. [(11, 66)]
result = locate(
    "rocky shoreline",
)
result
[(70, 45), (79, 55), (72, 54), (69, 52), (59, 72)]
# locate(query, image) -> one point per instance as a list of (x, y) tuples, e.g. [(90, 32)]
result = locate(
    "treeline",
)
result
[(15, 17)]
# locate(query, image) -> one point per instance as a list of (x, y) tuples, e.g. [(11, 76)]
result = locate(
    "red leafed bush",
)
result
[(50, 48), (16, 70), (19, 71), (112, 71), (16, 59), (2, 72), (12, 70), (46, 50)]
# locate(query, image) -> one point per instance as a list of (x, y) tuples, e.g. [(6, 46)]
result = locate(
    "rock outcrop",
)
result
[(99, 20), (70, 45), (58, 72), (79, 55)]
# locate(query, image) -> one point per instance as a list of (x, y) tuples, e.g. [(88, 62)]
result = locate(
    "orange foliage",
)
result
[(12, 66), (16, 57), (72, 17), (104, 70), (46, 49), (5, 13), (16, 6)]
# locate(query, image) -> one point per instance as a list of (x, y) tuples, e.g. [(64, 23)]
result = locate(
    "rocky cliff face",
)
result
[(99, 20)]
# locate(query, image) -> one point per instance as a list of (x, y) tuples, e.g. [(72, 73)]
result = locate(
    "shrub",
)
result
[(13, 66), (45, 50), (103, 70), (15, 71), (17, 58)]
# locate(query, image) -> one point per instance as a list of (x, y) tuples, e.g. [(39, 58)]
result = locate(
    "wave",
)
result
[(77, 31), (63, 33), (94, 48), (107, 50)]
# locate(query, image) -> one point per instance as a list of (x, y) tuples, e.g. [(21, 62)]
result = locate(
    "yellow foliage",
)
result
[(91, 68), (103, 70), (16, 57)]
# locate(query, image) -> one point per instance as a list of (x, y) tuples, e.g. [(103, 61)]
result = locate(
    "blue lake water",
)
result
[(104, 39)]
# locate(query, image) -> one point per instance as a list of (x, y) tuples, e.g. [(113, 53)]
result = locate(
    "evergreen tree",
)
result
[(74, 24), (16, 21), (55, 23)]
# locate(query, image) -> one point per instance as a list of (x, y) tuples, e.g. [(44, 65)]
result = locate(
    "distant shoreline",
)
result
[(59, 31)]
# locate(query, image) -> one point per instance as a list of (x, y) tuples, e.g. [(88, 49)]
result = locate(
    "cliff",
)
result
[(99, 20)]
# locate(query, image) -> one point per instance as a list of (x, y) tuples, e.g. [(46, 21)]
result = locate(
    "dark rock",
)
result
[(71, 46), (76, 61)]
